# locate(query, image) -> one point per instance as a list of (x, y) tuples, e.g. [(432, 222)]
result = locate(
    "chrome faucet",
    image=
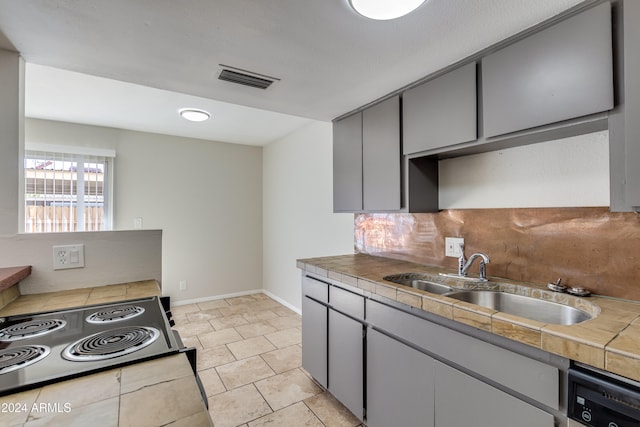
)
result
[(463, 265)]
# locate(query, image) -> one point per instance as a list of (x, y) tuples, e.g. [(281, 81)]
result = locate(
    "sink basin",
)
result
[(415, 281), (531, 308)]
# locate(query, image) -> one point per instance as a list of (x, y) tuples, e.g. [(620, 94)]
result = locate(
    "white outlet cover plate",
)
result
[(452, 246), (68, 256)]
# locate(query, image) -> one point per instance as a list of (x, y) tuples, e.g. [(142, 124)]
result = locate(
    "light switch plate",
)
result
[(68, 256), (452, 246)]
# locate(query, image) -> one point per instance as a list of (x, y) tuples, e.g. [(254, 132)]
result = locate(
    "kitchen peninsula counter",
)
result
[(152, 393), (610, 340), (34, 303)]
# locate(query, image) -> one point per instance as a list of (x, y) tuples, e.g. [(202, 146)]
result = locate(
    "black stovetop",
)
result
[(79, 341)]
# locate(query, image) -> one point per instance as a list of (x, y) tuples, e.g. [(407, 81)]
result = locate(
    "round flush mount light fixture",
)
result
[(194, 114), (385, 9)]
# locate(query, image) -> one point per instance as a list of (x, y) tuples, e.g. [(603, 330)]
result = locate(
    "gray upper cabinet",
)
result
[(381, 156), (367, 160), (347, 164), (440, 112), (562, 72)]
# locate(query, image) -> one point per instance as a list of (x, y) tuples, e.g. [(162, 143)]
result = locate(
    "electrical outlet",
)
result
[(68, 256), (183, 285), (137, 223), (452, 246)]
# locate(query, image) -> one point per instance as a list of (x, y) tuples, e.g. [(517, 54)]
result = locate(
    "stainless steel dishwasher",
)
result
[(601, 399)]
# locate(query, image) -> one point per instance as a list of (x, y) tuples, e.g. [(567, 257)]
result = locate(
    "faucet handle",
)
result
[(461, 261)]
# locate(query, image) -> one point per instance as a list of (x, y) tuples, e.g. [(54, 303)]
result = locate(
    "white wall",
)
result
[(568, 172), (110, 257), (206, 196), (298, 213)]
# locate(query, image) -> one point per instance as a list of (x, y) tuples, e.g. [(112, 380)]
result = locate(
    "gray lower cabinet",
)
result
[(400, 384), (346, 362), (562, 72), (462, 400), (441, 112), (314, 339)]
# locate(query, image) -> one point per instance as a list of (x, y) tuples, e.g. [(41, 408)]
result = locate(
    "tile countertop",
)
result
[(152, 393), (610, 341), (33, 303)]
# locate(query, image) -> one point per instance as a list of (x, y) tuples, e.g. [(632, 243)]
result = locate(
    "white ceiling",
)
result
[(99, 62)]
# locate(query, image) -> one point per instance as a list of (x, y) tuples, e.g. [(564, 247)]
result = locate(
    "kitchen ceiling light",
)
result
[(194, 114), (385, 9)]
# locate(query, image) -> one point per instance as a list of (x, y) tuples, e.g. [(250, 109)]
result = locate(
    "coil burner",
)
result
[(14, 358), (111, 343), (115, 314), (30, 329)]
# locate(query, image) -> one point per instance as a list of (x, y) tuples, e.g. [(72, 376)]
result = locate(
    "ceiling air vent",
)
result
[(247, 78)]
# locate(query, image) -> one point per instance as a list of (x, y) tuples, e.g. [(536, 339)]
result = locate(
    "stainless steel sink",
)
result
[(531, 308), (419, 282)]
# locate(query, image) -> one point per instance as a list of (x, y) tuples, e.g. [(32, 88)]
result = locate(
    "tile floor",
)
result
[(249, 360)]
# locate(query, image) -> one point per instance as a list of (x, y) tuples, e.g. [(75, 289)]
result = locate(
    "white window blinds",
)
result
[(66, 192)]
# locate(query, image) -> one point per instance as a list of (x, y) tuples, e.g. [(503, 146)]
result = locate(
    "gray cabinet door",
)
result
[(631, 103), (381, 156), (440, 112), (399, 384), (314, 339), (461, 400), (346, 359), (347, 164), (562, 72)]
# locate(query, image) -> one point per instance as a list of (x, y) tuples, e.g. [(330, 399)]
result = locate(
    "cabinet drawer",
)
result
[(315, 289), (519, 373), (347, 302)]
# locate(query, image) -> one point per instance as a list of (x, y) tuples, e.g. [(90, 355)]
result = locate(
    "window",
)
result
[(67, 191)]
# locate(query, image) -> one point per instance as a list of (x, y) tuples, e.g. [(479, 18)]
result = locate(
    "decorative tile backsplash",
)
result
[(585, 247)]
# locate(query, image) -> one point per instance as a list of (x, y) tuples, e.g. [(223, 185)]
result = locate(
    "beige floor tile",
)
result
[(192, 342), (243, 372), (296, 415), (250, 347), (330, 411), (287, 388), (284, 311), (235, 309), (285, 337), (255, 329), (259, 316), (210, 305), (216, 338), (183, 309), (191, 329), (226, 322), (211, 382), (286, 322), (240, 300), (212, 357), (204, 315), (237, 406), (284, 359)]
